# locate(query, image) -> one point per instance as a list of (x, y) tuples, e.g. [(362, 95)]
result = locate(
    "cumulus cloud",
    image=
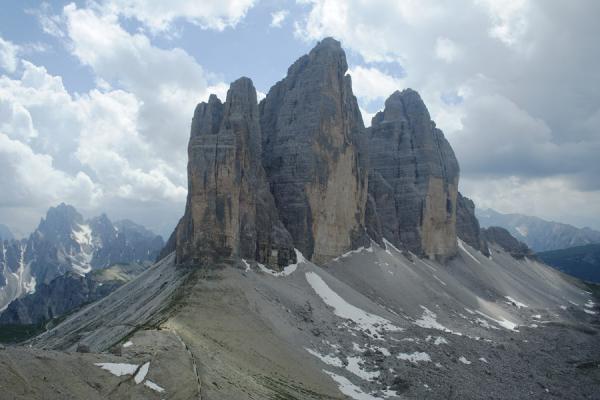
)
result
[(370, 83), (86, 149), (278, 17), (119, 147), (8, 55), (159, 16)]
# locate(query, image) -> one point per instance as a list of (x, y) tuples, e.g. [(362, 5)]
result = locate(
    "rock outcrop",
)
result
[(503, 238), (467, 225), (413, 178), (314, 154), (230, 211)]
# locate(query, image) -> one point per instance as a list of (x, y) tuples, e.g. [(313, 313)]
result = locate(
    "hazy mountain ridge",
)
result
[(582, 262), (65, 242), (66, 293), (537, 233)]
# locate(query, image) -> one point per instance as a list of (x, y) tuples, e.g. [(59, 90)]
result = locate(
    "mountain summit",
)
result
[(294, 172)]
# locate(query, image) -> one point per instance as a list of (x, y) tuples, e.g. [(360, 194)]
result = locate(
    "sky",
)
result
[(96, 97)]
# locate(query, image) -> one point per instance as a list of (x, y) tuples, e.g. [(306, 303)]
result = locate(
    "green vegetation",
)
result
[(15, 333)]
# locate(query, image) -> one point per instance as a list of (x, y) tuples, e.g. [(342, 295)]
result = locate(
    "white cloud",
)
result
[(159, 16), (446, 50), (278, 17), (8, 55), (370, 83), (30, 180), (508, 19), (50, 23), (168, 83), (552, 198)]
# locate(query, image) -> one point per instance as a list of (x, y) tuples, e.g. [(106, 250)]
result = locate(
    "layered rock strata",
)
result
[(314, 154), (230, 212), (413, 178), (467, 225)]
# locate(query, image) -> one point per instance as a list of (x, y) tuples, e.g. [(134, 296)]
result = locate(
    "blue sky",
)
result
[(96, 97)]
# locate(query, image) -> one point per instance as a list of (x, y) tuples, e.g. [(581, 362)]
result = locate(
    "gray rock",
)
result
[(230, 211), (314, 154), (467, 225), (503, 238), (413, 178)]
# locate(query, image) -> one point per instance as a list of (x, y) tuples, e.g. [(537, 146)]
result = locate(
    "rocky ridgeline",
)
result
[(301, 171), (65, 242)]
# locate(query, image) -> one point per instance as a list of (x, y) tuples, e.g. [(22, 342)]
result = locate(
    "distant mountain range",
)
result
[(66, 293), (582, 262), (65, 242), (540, 235)]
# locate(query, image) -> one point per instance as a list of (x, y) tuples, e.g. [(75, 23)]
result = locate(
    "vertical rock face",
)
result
[(313, 153), (230, 211), (467, 225), (413, 177)]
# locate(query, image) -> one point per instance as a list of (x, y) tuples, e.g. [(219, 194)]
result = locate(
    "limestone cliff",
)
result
[(413, 178), (230, 212), (467, 225), (314, 154)]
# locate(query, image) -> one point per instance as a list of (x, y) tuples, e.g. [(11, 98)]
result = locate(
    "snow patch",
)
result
[(439, 280), (127, 343), (354, 367), (343, 309), (141, 375), (589, 304), (463, 248), (246, 265), (429, 320), (483, 360), (590, 312), (463, 360), (118, 369), (440, 340), (349, 253), (503, 322), (348, 388), (517, 303), (414, 357), (327, 359), (522, 229), (290, 269), (153, 386)]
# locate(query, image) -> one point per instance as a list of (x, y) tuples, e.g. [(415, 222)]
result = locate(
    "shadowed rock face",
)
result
[(313, 153), (413, 178), (467, 225), (503, 238), (230, 211)]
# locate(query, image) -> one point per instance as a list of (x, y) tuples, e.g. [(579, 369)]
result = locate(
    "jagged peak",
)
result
[(241, 95), (207, 117)]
